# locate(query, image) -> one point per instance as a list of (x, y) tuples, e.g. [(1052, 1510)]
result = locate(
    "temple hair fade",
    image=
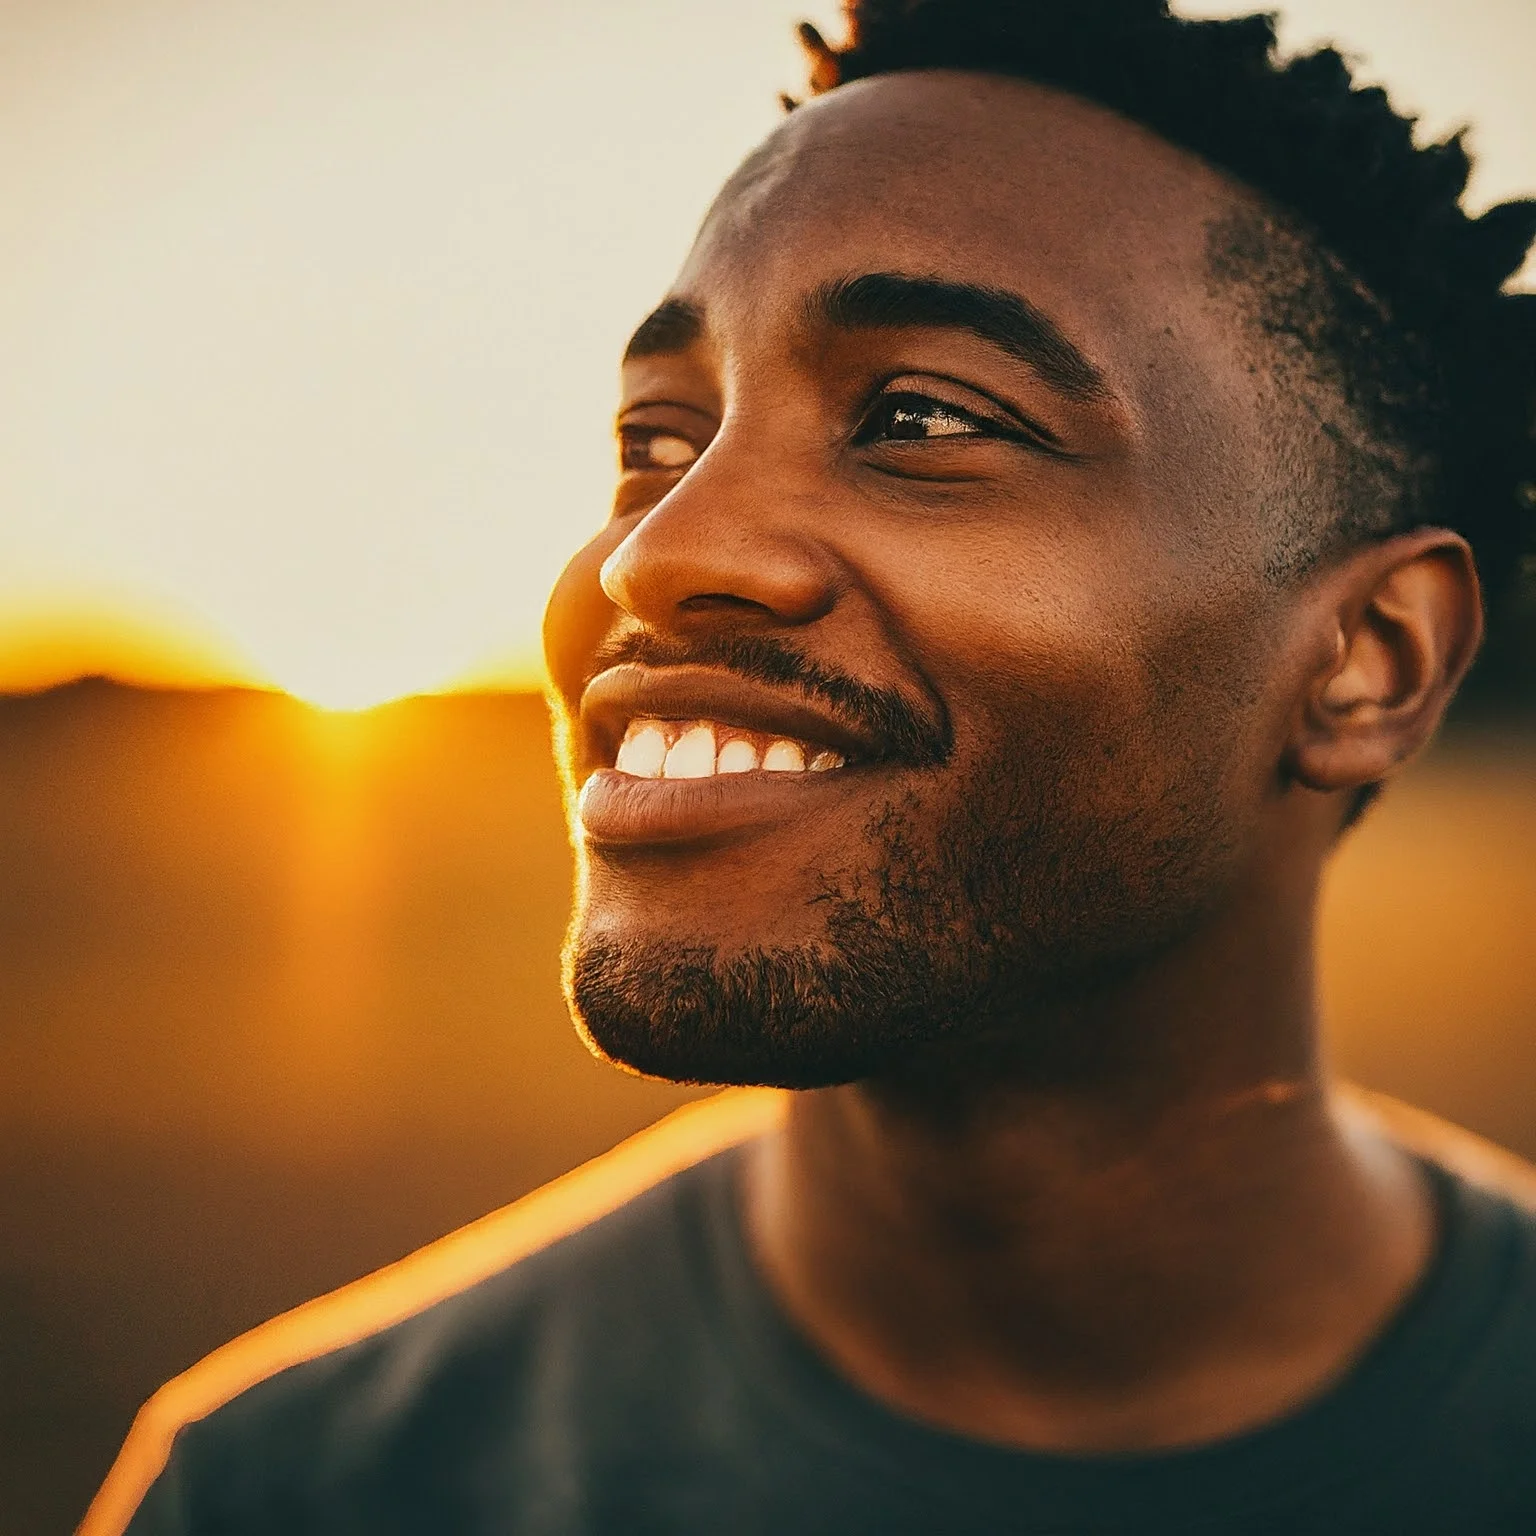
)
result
[(1411, 311)]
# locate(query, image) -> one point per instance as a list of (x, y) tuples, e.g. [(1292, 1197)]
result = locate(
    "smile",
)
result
[(689, 754)]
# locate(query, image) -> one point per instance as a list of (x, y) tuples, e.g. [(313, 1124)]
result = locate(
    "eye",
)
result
[(907, 417), (642, 448)]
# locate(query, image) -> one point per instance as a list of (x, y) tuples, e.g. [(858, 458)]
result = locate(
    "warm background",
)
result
[(280, 1002), (308, 316)]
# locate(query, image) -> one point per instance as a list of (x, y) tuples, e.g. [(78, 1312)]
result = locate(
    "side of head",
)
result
[(1074, 475)]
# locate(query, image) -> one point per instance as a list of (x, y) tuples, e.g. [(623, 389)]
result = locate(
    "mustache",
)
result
[(907, 735)]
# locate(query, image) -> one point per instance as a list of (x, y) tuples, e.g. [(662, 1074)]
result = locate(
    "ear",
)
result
[(1399, 625)]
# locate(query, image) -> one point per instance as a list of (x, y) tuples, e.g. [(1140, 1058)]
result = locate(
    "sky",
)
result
[(310, 310)]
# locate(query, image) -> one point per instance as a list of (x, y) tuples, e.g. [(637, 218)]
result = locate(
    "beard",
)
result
[(961, 940)]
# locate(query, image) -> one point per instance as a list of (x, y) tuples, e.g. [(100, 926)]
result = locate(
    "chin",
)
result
[(863, 985), (687, 1014), (776, 972)]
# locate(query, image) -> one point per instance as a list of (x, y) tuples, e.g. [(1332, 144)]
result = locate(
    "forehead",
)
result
[(975, 178)]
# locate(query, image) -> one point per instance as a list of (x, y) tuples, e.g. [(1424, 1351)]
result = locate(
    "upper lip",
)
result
[(633, 692)]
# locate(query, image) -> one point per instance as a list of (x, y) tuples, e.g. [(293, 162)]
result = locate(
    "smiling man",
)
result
[(1058, 492)]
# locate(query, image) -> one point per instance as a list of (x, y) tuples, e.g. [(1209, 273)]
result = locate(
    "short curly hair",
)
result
[(1406, 294)]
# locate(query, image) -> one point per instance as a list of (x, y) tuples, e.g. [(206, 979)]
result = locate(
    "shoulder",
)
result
[(1471, 1158), (518, 1287), (519, 1253), (1482, 1287)]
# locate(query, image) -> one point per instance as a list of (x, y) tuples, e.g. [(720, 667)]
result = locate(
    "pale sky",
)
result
[(310, 309)]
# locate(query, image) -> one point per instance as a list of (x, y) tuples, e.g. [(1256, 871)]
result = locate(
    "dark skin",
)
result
[(1155, 1230)]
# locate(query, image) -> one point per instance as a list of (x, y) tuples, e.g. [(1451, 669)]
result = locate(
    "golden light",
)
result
[(351, 678), (339, 694), (48, 636)]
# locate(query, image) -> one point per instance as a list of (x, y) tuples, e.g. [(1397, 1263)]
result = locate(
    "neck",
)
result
[(1176, 1246)]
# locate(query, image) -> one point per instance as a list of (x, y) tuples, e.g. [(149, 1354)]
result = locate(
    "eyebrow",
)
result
[(672, 326), (893, 300)]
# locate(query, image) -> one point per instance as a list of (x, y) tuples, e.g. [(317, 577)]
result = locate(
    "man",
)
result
[(1052, 502)]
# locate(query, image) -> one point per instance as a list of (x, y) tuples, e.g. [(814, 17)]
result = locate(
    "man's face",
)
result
[(932, 606)]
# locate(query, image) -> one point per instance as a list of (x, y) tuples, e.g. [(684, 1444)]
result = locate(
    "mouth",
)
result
[(682, 753)]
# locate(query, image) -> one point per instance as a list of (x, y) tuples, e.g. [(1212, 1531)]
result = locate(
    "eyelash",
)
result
[(916, 406), (636, 443)]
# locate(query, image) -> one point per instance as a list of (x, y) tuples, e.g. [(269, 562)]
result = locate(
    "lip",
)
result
[(624, 693), (617, 810)]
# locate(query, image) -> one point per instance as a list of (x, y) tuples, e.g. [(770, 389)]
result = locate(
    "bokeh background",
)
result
[(309, 313)]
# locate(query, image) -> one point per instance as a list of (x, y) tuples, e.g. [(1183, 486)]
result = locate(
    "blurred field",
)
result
[(279, 1001)]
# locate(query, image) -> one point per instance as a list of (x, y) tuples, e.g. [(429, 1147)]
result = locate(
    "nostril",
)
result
[(705, 602)]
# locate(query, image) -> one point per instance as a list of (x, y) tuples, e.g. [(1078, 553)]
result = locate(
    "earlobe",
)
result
[(1406, 620)]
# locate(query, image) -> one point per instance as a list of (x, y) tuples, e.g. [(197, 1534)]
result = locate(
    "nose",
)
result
[(731, 542)]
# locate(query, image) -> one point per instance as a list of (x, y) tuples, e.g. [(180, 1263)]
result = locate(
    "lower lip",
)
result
[(618, 809)]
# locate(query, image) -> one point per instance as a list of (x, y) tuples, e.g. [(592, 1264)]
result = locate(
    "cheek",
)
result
[(1109, 681), (1039, 651)]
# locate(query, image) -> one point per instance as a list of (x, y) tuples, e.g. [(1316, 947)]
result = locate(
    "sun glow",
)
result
[(345, 695), (359, 676), (47, 637), (350, 678)]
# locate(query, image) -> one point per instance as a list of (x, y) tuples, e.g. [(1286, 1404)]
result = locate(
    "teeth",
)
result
[(672, 749), (737, 756), (784, 757), (644, 750), (692, 755)]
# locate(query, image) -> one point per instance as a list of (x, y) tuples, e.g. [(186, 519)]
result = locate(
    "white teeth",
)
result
[(784, 757), (692, 755), (737, 756), (649, 751), (644, 751)]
